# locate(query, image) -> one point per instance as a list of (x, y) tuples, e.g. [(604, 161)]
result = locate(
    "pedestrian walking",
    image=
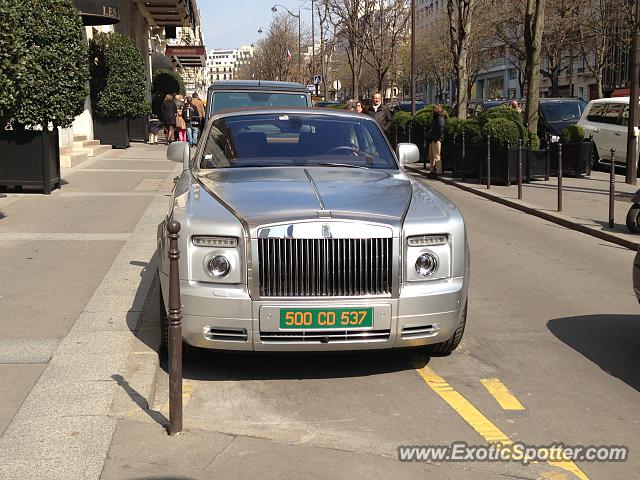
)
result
[(516, 106), (181, 126), (380, 112), (359, 107), (154, 128), (436, 135), (168, 112), (191, 120), (199, 104)]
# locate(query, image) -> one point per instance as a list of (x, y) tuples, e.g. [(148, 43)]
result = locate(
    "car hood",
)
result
[(269, 195)]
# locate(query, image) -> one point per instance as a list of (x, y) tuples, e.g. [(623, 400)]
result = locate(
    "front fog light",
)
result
[(426, 264), (219, 266)]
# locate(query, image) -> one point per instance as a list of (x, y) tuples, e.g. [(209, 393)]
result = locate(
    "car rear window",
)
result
[(232, 100), (606, 113), (275, 139)]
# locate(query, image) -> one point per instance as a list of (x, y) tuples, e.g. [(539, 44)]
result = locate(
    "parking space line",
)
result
[(481, 424), (502, 394)]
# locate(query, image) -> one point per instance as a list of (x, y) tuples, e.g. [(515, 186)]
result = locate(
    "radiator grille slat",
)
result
[(324, 267)]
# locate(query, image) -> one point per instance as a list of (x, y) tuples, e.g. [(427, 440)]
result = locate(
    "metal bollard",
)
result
[(464, 157), (409, 133), (519, 169), (426, 152), (396, 135), (612, 188), (175, 332), (488, 162), (559, 176)]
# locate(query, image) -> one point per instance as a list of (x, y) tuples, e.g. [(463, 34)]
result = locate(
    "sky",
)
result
[(231, 23)]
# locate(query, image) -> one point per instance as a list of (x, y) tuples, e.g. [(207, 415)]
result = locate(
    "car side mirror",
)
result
[(179, 152), (407, 153)]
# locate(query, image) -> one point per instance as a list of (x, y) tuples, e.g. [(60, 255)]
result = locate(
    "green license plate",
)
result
[(319, 318)]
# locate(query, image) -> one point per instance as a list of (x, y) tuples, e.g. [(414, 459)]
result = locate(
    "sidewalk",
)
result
[(585, 202), (77, 267)]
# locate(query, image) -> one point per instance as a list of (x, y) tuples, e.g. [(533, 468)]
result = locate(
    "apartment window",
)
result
[(581, 62), (512, 74)]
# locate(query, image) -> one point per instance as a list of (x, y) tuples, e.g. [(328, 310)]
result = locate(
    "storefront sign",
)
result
[(98, 12)]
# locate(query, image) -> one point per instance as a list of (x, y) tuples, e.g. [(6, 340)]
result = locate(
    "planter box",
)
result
[(537, 165), (30, 159), (504, 165), (469, 166), (139, 129), (576, 159), (112, 131)]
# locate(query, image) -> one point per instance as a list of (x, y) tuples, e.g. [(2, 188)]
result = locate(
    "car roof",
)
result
[(560, 99), (291, 110), (257, 85), (611, 100)]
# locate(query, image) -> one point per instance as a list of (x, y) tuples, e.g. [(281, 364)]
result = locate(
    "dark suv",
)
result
[(557, 113), (233, 94)]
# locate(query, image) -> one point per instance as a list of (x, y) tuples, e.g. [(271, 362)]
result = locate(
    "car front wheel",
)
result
[(595, 157), (445, 348)]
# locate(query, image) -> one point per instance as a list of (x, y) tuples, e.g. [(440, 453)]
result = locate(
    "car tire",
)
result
[(445, 348), (633, 218), (164, 323)]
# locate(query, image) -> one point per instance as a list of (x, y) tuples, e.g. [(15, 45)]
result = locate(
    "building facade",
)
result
[(228, 64)]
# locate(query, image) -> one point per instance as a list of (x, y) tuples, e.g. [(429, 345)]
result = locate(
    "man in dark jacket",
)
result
[(380, 112), (436, 135)]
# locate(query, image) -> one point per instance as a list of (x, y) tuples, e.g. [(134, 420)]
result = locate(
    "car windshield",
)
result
[(276, 139), (562, 111), (226, 100)]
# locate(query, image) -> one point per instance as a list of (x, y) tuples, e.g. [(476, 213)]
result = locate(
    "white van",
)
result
[(607, 119)]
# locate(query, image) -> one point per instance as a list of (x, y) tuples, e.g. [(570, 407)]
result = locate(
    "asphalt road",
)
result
[(552, 319)]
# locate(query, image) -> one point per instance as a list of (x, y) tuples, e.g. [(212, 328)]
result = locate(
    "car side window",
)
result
[(216, 150), (612, 113), (596, 113)]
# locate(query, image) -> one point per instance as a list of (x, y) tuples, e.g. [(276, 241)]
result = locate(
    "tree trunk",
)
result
[(599, 91), (533, 29), (555, 82)]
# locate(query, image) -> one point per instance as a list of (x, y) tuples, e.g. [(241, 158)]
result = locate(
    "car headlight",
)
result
[(554, 138), (219, 266), (427, 240), (426, 264)]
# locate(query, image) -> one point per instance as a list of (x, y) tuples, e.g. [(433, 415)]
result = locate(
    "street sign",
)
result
[(337, 85), (317, 79), (311, 88)]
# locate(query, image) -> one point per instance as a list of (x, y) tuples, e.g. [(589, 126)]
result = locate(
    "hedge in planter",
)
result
[(43, 76), (118, 86), (576, 153), (165, 82)]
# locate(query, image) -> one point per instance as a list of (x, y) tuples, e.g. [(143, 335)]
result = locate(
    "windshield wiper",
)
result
[(332, 164)]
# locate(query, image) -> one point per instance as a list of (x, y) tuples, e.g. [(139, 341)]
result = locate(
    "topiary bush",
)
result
[(118, 80), (402, 119), (453, 130), (534, 141), (503, 111), (472, 132), (502, 130), (572, 134), (165, 82), (43, 63)]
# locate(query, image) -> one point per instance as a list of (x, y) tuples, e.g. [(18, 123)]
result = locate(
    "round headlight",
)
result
[(219, 266), (426, 264)]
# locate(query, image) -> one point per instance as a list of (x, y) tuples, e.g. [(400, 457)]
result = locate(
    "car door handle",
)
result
[(618, 133), (595, 130)]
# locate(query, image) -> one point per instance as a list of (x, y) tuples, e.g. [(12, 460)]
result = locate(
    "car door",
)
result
[(615, 131), (592, 122)]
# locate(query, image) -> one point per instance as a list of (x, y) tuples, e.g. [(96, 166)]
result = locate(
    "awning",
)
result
[(98, 12), (187, 56), (170, 13)]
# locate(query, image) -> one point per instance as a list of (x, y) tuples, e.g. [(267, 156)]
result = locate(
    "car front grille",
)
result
[(325, 267), (339, 336)]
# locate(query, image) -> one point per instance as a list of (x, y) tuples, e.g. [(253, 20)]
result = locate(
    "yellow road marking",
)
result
[(481, 424), (502, 394), (187, 392)]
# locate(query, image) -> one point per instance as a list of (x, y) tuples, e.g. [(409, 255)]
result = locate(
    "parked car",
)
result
[(328, 103), (406, 106), (234, 94), (636, 276), (476, 106), (557, 113), (286, 246), (606, 119)]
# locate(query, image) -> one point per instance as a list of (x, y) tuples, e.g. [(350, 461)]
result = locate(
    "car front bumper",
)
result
[(226, 318)]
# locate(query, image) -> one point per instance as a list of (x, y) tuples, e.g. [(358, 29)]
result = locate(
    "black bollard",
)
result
[(464, 157), (396, 135), (426, 152), (559, 176), (612, 188), (519, 169), (488, 162), (409, 133), (175, 332)]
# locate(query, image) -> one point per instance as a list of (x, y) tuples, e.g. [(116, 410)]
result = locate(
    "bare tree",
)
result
[(460, 15), (533, 31), (509, 29), (559, 38), (271, 60), (385, 29), (346, 16), (597, 21)]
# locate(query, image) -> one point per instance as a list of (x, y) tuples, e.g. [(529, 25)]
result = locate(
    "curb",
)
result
[(556, 218)]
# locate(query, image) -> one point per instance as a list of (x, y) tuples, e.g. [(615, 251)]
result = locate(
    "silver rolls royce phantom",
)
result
[(301, 232)]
